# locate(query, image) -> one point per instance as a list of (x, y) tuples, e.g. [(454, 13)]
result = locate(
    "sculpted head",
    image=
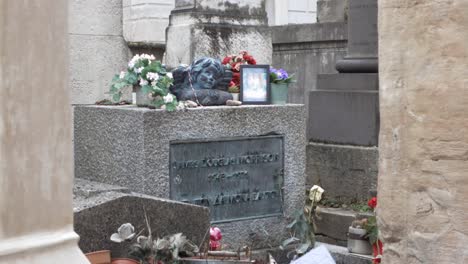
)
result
[(206, 72)]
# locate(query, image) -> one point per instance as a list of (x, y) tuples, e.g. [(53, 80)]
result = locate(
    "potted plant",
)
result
[(148, 251), (280, 81), (357, 238), (234, 90), (363, 235), (233, 62), (150, 82)]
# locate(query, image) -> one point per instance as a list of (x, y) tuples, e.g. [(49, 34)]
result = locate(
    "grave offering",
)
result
[(205, 82)]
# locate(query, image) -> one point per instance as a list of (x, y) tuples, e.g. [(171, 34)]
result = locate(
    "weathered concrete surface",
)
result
[(216, 29), (36, 162), (97, 48), (100, 209), (347, 173), (129, 146), (423, 183), (145, 21), (332, 10)]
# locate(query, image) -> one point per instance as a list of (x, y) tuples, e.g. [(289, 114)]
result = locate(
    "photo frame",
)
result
[(255, 84)]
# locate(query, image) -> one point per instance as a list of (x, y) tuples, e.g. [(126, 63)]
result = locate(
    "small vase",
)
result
[(279, 93), (99, 257), (235, 96), (124, 261), (142, 99), (357, 242)]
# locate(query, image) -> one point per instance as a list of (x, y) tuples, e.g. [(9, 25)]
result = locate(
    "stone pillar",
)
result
[(423, 184), (213, 28), (362, 38), (344, 113), (35, 135)]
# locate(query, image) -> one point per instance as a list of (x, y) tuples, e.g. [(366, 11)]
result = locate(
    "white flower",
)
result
[(143, 82), (139, 70), (180, 106), (152, 76), (131, 64), (168, 98), (169, 74), (315, 193), (125, 232), (122, 75)]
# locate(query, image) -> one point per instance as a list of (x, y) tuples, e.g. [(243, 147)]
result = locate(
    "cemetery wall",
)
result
[(423, 184), (308, 50)]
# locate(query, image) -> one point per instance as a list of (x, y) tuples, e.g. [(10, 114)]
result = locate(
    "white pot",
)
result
[(357, 242), (235, 96)]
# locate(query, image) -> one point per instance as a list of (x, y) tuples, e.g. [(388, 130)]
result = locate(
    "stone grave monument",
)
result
[(245, 163), (344, 113), (212, 28)]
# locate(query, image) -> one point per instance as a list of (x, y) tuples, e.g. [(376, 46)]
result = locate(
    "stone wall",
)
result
[(423, 183), (97, 48), (308, 50)]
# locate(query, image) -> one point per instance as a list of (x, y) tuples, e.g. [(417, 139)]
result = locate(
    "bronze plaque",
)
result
[(237, 178)]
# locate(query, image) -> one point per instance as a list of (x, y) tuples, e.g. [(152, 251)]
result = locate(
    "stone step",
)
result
[(332, 224)]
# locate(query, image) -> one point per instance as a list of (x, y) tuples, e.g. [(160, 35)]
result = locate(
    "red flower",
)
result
[(226, 60), (372, 203)]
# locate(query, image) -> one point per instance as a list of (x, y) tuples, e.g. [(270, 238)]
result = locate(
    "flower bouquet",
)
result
[(233, 63), (149, 80)]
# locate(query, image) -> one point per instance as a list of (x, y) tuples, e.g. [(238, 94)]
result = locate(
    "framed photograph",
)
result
[(255, 84)]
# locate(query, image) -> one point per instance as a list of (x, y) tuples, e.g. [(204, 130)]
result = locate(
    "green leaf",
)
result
[(131, 77), (170, 107), (146, 89), (116, 97), (116, 78)]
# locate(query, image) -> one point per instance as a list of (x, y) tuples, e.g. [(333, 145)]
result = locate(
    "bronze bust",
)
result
[(205, 82)]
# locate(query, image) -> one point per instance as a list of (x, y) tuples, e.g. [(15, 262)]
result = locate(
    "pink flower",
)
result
[(215, 234), (215, 238)]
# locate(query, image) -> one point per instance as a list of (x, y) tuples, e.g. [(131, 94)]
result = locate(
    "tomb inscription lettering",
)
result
[(237, 178)]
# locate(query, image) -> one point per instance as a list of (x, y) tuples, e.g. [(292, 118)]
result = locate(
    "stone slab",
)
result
[(333, 31), (337, 167), (100, 209), (334, 222), (129, 146), (348, 82), (344, 117)]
